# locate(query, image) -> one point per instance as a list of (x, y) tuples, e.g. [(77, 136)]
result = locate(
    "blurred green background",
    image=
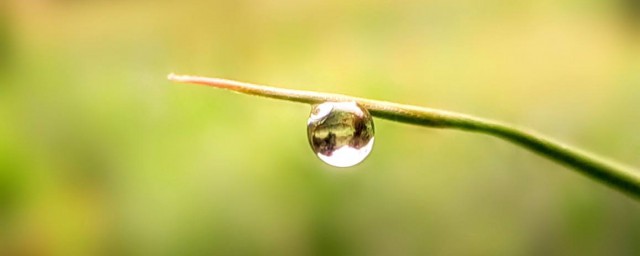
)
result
[(101, 155)]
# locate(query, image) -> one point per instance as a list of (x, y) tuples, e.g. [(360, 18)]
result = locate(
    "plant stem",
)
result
[(618, 176)]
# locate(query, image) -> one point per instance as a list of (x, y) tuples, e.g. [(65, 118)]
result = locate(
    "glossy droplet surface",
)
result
[(340, 133)]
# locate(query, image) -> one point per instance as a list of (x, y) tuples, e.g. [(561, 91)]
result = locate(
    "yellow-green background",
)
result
[(101, 155)]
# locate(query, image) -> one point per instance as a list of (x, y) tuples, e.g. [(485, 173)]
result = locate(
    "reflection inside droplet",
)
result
[(340, 133)]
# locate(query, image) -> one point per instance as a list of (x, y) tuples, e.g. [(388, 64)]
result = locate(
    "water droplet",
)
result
[(340, 133)]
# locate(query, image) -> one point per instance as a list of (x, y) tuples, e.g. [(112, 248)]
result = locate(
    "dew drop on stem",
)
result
[(340, 133)]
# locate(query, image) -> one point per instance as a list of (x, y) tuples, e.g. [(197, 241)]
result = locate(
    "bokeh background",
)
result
[(101, 155)]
